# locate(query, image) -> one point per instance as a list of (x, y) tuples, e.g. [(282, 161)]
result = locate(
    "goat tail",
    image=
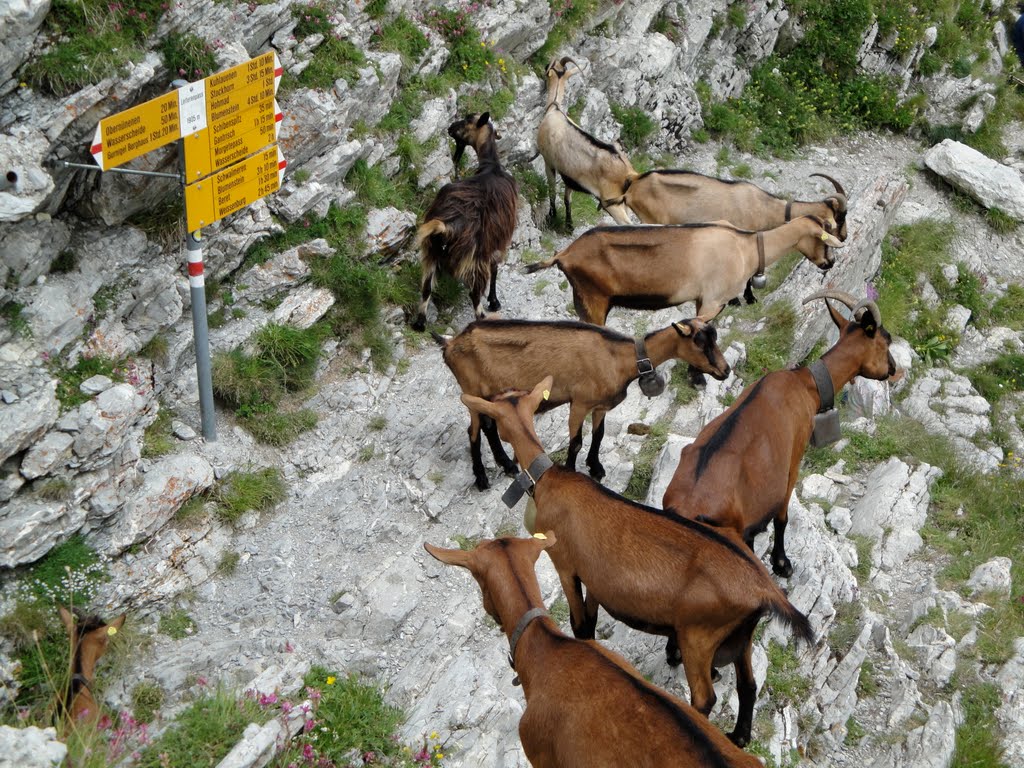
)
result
[(529, 269), (442, 341), (793, 618), (429, 229), (630, 178)]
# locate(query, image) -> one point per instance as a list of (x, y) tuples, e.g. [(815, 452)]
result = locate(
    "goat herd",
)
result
[(686, 571)]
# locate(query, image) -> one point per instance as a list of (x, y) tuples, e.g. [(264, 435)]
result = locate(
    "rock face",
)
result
[(30, 747), (992, 184)]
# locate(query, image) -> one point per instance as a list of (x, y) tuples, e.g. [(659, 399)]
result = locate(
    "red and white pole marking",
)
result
[(195, 268)]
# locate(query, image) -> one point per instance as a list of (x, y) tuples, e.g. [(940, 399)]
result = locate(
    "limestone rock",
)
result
[(938, 652), (304, 306), (29, 528), (991, 576), (893, 509), (979, 347), (35, 409), (165, 487), (30, 747), (991, 183), (47, 455), (947, 404), (281, 272), (24, 183), (388, 230), (1011, 709), (29, 247), (104, 421)]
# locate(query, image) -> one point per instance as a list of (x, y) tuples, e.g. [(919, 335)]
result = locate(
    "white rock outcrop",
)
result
[(991, 183)]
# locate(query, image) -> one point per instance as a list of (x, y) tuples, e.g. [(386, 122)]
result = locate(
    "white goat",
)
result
[(585, 163)]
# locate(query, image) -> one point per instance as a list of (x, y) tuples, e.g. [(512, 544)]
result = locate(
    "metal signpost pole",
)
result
[(200, 329)]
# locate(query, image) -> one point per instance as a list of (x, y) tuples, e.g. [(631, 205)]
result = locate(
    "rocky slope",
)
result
[(337, 574)]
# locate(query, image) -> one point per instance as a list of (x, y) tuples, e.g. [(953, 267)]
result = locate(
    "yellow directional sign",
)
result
[(136, 131), (231, 139), (239, 88), (235, 187)]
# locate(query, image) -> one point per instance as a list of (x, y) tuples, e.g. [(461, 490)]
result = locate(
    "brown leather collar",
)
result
[(760, 254)]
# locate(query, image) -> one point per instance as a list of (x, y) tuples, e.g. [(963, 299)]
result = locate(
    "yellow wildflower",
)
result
[(331, 679)]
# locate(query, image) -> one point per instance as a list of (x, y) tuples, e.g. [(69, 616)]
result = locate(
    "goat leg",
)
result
[(748, 294), (493, 305), (567, 198), (697, 378), (597, 435), (578, 619), (577, 415), (552, 214), (490, 429), (419, 323), (746, 689), (697, 666), (780, 563), (672, 653), (482, 483)]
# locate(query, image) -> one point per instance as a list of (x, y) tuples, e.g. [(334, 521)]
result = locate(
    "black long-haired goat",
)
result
[(468, 227)]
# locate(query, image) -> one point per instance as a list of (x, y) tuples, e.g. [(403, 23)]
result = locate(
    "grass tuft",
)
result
[(643, 465), (242, 492)]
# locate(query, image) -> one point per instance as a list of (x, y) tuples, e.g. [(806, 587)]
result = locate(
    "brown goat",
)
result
[(740, 472), (89, 636), (586, 707), (656, 267), (653, 570), (593, 368), (585, 163), (467, 229), (687, 197)]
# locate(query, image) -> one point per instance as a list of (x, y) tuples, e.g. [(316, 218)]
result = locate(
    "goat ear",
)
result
[(118, 622), (683, 328), (478, 404), (549, 539), (485, 118), (450, 556), (837, 319), (867, 324), (831, 240), (541, 392), (66, 618)]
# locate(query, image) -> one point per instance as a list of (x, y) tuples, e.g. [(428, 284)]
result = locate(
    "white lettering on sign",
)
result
[(192, 107)]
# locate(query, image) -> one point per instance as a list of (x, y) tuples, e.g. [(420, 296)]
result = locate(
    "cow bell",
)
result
[(652, 384), (758, 281), (530, 516), (826, 428)]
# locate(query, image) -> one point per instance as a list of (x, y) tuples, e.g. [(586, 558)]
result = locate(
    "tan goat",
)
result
[(593, 367), (653, 570), (586, 707), (585, 163), (656, 267)]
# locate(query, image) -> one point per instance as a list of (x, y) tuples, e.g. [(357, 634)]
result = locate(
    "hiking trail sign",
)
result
[(228, 125)]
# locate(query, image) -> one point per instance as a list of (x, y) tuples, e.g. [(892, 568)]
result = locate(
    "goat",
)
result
[(88, 636), (687, 197), (657, 267), (740, 471), (585, 163), (593, 366), (469, 226), (653, 570), (586, 706)]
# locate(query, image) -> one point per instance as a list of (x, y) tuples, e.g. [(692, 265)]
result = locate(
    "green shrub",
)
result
[(637, 126), (11, 312), (783, 679), (158, 439), (999, 377), (570, 16), (769, 349), (177, 624), (69, 380), (316, 17), (403, 37), (977, 738), (1008, 309), (242, 492), (470, 59), (334, 59), (188, 55), (94, 39), (643, 465), (147, 698)]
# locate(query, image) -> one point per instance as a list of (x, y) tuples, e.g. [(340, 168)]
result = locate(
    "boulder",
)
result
[(29, 247), (24, 183), (991, 183), (31, 747), (31, 527), (30, 408), (304, 306), (991, 576), (48, 454), (167, 485), (104, 421), (388, 230)]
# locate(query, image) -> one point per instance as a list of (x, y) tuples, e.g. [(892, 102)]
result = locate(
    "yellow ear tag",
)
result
[(824, 236), (547, 394), (540, 536), (111, 631), (530, 516)]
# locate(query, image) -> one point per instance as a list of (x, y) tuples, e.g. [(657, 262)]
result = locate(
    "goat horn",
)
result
[(831, 293), (836, 184), (569, 60), (872, 308)]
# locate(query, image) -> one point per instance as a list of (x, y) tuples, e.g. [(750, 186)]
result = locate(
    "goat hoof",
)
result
[(699, 380), (510, 469), (493, 306), (482, 483), (782, 567), (734, 302), (597, 472), (739, 739), (419, 324), (674, 657), (715, 675)]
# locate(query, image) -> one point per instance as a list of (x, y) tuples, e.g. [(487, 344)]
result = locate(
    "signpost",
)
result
[(228, 124)]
